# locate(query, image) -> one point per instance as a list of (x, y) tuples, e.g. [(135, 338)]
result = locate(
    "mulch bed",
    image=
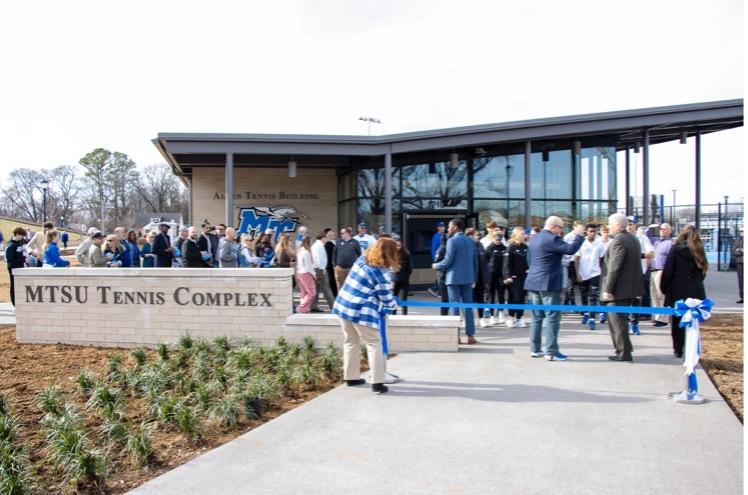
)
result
[(722, 357)]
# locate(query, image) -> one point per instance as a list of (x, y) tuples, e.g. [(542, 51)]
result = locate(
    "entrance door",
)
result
[(418, 231)]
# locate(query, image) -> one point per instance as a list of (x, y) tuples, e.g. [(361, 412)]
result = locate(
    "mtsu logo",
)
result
[(257, 219)]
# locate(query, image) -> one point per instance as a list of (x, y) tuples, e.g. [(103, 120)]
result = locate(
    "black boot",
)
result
[(379, 388), (353, 383)]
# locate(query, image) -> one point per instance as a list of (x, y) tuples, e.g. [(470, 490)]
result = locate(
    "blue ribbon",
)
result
[(543, 307), (681, 308), (383, 333)]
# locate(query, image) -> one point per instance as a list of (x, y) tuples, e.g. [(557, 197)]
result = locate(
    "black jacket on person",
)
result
[(329, 249), (495, 258), (515, 261), (402, 276), (14, 254), (192, 256), (160, 244), (441, 252), (346, 253), (681, 278), (483, 277), (209, 243)]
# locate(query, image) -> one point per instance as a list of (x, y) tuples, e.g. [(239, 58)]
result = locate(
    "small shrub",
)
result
[(331, 361), (107, 401), (241, 358), (48, 400), (16, 476), (186, 341), (308, 344), (307, 376), (187, 421), (201, 346), (140, 356), (226, 411), (115, 430), (222, 343), (86, 382), (163, 351), (138, 445), (166, 408), (203, 398), (10, 427)]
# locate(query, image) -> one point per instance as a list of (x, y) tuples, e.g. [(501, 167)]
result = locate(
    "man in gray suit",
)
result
[(622, 282)]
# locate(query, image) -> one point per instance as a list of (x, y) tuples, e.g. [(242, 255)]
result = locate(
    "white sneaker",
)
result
[(483, 322), (521, 323), (390, 378), (501, 317), (509, 322), (491, 320)]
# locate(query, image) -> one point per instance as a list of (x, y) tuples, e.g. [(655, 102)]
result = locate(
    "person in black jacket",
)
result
[(482, 279), (441, 275), (515, 273), (683, 277), (208, 243), (737, 255), (496, 288), (402, 276), (192, 257), (330, 237), (162, 247), (15, 256)]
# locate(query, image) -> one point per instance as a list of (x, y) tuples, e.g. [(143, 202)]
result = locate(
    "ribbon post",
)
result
[(692, 312)]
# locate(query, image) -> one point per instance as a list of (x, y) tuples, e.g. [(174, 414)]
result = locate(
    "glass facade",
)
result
[(487, 188)]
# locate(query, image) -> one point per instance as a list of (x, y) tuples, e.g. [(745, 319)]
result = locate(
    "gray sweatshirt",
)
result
[(226, 253)]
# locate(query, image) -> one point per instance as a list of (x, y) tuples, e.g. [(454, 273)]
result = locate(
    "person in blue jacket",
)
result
[(52, 252), (64, 238), (132, 251), (436, 241), (544, 283), (461, 265)]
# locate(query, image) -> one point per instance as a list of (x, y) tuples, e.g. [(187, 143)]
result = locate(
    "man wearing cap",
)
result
[(162, 247), (647, 253), (364, 239), (96, 258), (82, 252), (436, 241)]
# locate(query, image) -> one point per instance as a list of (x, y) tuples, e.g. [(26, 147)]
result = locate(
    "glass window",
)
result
[(596, 174), (494, 176), (371, 212), (506, 213), (439, 179), (347, 186), (551, 179), (541, 210), (371, 182), (596, 211), (347, 214)]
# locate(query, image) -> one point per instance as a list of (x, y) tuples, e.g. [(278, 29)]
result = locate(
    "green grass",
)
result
[(7, 226)]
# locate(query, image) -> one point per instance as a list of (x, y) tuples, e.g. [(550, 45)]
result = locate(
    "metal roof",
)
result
[(620, 129)]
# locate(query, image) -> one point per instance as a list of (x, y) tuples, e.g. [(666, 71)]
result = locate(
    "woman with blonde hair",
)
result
[(146, 252), (114, 251), (366, 296), (285, 254), (52, 252), (683, 277), (515, 271)]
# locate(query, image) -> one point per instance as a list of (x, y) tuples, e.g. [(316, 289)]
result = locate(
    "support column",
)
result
[(388, 193), (645, 179), (229, 189), (628, 181), (698, 182), (528, 190)]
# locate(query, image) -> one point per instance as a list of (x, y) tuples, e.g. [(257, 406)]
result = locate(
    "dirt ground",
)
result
[(25, 369), (722, 357)]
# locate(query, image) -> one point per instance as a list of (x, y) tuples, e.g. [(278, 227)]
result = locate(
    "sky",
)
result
[(87, 74)]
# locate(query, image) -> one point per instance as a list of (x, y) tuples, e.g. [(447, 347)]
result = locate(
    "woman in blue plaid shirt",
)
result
[(365, 295)]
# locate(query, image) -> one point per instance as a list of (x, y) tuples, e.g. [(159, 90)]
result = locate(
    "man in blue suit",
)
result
[(544, 282), (461, 265)]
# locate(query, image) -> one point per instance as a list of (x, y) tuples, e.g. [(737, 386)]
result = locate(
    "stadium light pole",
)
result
[(369, 121), (44, 185)]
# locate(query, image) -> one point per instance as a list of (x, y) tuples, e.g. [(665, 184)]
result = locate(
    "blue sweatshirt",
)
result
[(52, 256)]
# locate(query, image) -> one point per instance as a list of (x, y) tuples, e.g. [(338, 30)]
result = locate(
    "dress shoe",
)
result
[(621, 358), (353, 383), (679, 355), (739, 301), (471, 340), (379, 388)]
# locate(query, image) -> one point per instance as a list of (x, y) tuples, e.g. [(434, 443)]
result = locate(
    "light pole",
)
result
[(44, 185), (370, 120)]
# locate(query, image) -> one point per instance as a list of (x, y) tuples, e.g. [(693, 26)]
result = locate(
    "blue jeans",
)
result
[(463, 293), (545, 323)]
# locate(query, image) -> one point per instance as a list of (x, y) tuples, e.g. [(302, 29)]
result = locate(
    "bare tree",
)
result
[(23, 194), (159, 189)]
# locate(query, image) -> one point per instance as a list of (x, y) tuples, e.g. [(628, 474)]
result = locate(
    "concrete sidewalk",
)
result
[(490, 419)]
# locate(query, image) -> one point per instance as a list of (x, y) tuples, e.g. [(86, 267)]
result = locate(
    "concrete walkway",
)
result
[(487, 420)]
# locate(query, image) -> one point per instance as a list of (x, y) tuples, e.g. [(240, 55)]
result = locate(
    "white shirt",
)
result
[(589, 256), (646, 246), (366, 241), (304, 261), (568, 239), (319, 255)]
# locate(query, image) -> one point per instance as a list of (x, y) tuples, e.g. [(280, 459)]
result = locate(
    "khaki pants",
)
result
[(340, 275), (658, 298), (354, 334)]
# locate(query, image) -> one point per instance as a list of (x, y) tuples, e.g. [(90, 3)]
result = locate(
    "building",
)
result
[(516, 173)]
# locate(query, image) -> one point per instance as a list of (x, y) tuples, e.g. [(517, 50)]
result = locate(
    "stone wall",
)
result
[(130, 307)]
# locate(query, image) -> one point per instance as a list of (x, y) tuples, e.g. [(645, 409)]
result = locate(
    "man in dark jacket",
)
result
[(208, 243), (192, 256), (737, 255), (15, 256), (330, 237), (623, 282), (346, 252), (544, 283), (162, 247)]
